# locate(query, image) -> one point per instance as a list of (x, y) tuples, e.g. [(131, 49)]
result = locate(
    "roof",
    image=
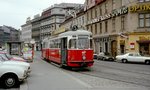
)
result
[(77, 32)]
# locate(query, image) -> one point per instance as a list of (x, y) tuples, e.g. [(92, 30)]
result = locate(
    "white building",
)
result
[(53, 16), (26, 33)]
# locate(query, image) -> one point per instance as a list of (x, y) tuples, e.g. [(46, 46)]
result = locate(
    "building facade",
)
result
[(119, 25), (53, 17), (78, 19), (36, 23), (26, 33), (8, 34)]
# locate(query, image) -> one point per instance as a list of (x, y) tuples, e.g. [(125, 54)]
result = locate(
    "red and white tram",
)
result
[(71, 48)]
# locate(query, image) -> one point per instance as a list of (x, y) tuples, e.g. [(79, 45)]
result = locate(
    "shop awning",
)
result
[(143, 41)]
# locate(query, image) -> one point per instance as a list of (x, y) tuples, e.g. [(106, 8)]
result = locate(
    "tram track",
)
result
[(141, 78), (127, 70), (120, 80)]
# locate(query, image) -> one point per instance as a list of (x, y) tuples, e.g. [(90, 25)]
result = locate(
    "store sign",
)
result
[(107, 16), (137, 8), (144, 38), (132, 45), (118, 12), (115, 13)]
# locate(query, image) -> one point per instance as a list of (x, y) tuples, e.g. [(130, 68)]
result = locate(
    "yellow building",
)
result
[(135, 42), (119, 25)]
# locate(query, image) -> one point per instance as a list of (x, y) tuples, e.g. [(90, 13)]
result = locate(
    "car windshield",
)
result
[(3, 57), (8, 56)]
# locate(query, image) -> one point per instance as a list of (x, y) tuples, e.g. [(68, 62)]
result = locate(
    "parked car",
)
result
[(13, 62), (95, 56), (10, 57), (105, 56), (10, 74), (133, 57)]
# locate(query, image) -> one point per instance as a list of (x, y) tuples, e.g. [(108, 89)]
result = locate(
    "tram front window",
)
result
[(83, 43)]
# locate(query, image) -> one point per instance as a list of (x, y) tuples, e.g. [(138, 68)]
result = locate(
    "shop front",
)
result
[(136, 42), (102, 44), (107, 44)]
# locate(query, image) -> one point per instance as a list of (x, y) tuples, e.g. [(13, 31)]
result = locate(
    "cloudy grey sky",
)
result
[(14, 12)]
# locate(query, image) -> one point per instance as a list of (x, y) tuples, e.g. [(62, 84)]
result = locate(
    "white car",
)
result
[(10, 57), (11, 74), (25, 65), (133, 57)]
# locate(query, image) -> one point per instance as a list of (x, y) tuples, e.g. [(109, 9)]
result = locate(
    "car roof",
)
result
[(2, 52)]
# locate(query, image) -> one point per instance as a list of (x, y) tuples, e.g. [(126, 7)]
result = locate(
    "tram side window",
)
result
[(72, 43)]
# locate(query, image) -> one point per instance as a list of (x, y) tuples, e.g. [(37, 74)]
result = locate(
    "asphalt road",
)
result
[(104, 75), (133, 73)]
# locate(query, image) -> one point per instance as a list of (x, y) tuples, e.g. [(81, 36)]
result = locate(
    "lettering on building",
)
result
[(138, 8), (116, 12), (121, 11), (144, 38)]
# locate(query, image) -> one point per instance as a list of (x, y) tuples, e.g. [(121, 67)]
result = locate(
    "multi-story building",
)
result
[(36, 22), (26, 33), (119, 26), (53, 16), (8, 34), (76, 18)]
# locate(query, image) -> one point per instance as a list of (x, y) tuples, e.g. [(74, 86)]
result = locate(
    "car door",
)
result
[(138, 58), (130, 57), (134, 57)]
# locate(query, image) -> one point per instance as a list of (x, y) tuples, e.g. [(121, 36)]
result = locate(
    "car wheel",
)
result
[(103, 59), (124, 61), (111, 59), (9, 81), (61, 65), (147, 61)]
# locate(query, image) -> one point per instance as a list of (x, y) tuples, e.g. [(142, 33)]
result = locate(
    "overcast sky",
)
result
[(14, 12)]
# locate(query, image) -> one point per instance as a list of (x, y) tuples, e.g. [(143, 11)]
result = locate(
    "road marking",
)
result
[(78, 80)]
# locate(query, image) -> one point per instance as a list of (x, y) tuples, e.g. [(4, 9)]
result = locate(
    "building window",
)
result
[(88, 16), (122, 23), (113, 25), (106, 26), (91, 14), (143, 0), (96, 10), (95, 28), (100, 27), (83, 20), (113, 4), (100, 10), (91, 29), (144, 20), (106, 7)]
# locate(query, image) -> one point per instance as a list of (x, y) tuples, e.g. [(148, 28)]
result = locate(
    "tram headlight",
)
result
[(83, 57)]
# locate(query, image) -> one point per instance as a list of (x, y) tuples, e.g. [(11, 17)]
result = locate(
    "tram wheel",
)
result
[(61, 65)]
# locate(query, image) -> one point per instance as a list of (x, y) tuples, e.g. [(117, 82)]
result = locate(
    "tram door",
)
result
[(63, 50)]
